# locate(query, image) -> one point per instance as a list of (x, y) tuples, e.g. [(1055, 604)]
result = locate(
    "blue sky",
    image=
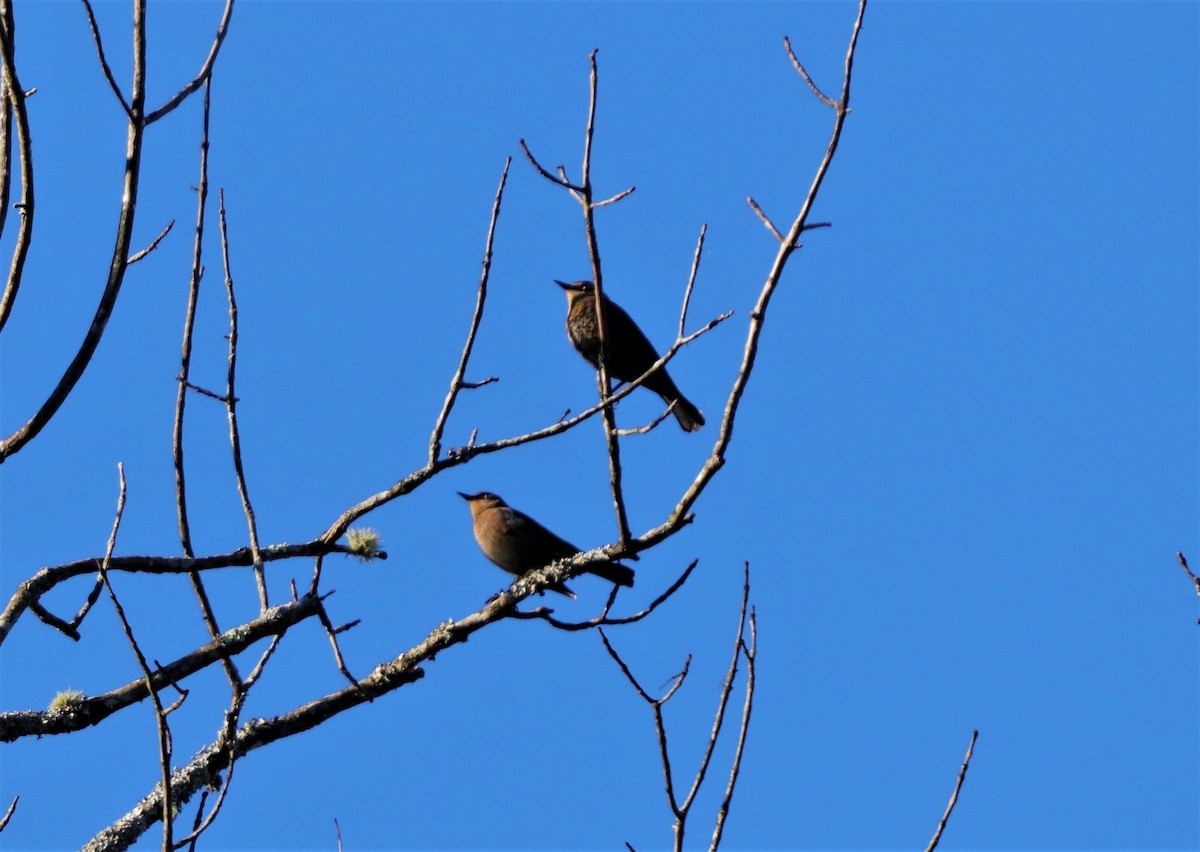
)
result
[(961, 472)]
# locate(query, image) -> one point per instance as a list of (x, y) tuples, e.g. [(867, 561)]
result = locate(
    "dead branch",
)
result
[(787, 247), (29, 592), (603, 619), (235, 440), (457, 383), (14, 101), (204, 74), (8, 813), (751, 652), (120, 262), (207, 765), (160, 716), (108, 75), (962, 773), (134, 258)]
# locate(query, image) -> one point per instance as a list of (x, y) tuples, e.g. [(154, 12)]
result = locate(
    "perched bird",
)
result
[(518, 543), (629, 352)]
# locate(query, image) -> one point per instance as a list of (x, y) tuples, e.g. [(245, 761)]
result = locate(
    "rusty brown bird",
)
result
[(629, 352), (518, 544)]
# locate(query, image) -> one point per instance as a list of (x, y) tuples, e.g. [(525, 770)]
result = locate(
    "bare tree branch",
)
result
[(185, 361), (134, 258), (561, 179), (603, 620), (462, 455), (207, 765), (8, 813), (205, 72), (457, 383), (120, 256), (681, 809), (6, 116), (962, 773), (214, 764), (726, 691), (787, 246), (614, 199), (687, 291), (14, 101), (825, 99), (160, 716), (95, 709), (29, 592), (235, 439), (758, 211), (108, 75), (735, 768)]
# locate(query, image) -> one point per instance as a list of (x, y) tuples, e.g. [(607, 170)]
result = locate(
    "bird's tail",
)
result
[(688, 415), (614, 572)]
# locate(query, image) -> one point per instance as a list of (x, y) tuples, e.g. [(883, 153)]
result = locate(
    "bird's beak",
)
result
[(466, 497), (565, 285)]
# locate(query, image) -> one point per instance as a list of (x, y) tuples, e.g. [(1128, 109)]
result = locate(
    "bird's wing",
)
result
[(630, 352), (528, 530)]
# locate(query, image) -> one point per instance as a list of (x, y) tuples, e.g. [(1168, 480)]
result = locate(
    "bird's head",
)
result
[(576, 289), (482, 501)]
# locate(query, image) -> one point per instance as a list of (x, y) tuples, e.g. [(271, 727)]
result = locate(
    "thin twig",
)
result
[(653, 424), (332, 633), (227, 735), (766, 220), (603, 620), (8, 813), (583, 194), (134, 258), (89, 602), (473, 385), (108, 75), (196, 821), (160, 715), (828, 101), (751, 653), (49, 618), (614, 199), (456, 382), (205, 71), (687, 291), (6, 116), (723, 701), (235, 440), (189, 322), (603, 379), (256, 672), (203, 391), (962, 773), (660, 728), (561, 179)]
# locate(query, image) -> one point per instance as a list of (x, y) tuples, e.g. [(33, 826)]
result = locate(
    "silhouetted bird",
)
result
[(518, 543), (629, 352)]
